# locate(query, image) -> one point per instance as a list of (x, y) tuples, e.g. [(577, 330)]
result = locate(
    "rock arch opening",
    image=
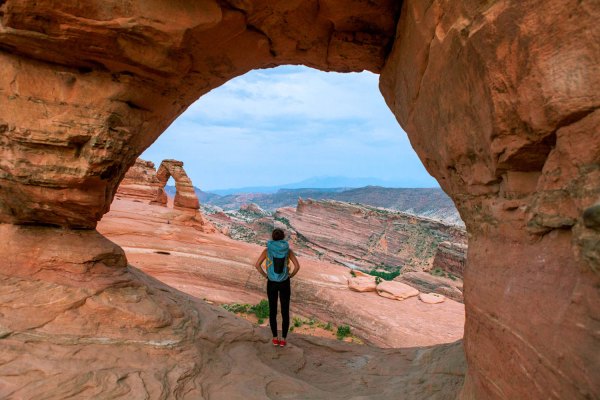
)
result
[(500, 101), (332, 231), (185, 196)]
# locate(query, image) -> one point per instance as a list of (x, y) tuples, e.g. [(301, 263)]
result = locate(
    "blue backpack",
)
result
[(277, 260)]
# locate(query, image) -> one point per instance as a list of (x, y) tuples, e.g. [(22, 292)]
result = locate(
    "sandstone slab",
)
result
[(431, 298), (396, 290), (362, 284)]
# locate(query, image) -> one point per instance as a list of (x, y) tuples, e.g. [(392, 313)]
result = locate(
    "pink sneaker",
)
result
[(282, 343), (276, 342)]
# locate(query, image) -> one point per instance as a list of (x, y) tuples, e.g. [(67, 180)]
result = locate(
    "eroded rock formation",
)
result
[(500, 99), (185, 196), (365, 236), (140, 182)]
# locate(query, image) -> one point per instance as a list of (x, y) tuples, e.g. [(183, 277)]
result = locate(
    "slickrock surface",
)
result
[(500, 99), (451, 257), (365, 236), (185, 197), (92, 327), (220, 269)]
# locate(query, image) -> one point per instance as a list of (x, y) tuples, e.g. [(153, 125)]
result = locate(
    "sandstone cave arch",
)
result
[(510, 136)]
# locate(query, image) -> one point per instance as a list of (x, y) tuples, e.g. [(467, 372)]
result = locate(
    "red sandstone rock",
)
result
[(451, 257), (140, 182), (425, 282), (431, 298), (185, 197), (500, 100), (396, 290), (362, 284), (364, 236), (102, 81)]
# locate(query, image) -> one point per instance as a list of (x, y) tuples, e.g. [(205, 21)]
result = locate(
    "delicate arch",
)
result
[(185, 195)]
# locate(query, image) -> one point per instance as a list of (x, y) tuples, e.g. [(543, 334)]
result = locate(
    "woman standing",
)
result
[(278, 255)]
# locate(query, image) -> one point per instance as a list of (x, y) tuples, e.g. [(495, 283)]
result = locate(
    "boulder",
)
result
[(396, 290), (431, 298), (362, 284)]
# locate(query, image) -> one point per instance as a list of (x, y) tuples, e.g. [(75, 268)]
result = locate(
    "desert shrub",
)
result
[(343, 331), (377, 280), (261, 309), (353, 273), (328, 327), (237, 308), (437, 272), (388, 276), (297, 322)]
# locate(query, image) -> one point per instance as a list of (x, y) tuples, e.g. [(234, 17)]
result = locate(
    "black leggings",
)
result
[(284, 291)]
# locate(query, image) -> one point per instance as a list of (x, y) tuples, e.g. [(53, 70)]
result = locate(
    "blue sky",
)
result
[(287, 124)]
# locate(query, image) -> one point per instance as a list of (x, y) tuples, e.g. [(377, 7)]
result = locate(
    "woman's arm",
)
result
[(260, 260), (296, 263)]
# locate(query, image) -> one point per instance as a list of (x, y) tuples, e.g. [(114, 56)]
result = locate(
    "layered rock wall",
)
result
[(367, 237), (451, 257)]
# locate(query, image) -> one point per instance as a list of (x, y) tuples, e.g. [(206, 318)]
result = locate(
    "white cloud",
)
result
[(315, 123)]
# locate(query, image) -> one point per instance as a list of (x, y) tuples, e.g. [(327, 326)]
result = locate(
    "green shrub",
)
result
[(328, 327), (388, 276), (353, 273), (237, 308), (261, 310), (377, 280), (437, 272), (297, 322), (343, 331)]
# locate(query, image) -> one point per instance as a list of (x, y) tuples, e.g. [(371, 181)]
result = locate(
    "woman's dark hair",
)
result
[(278, 234)]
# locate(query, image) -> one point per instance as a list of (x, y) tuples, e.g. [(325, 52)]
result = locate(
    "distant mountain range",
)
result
[(321, 182), (427, 202)]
